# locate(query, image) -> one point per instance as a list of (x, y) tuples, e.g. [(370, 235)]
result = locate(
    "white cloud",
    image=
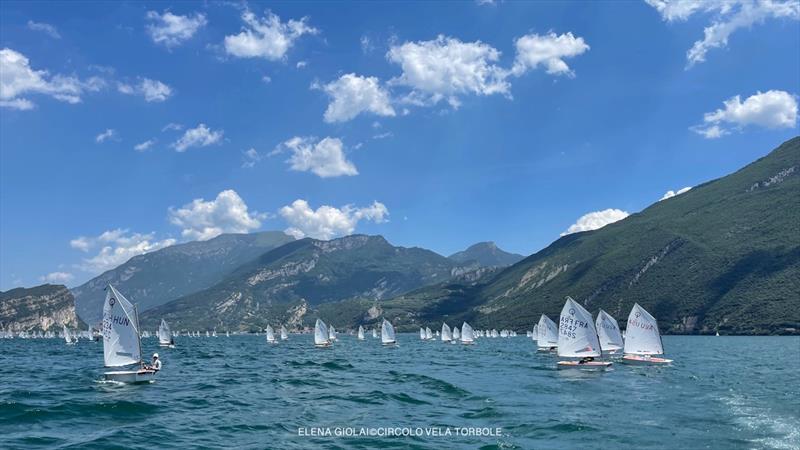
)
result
[(266, 79), (45, 28), (324, 158), (151, 90), (771, 109), (301, 64), (105, 135), (548, 50), (203, 220), (202, 136), (730, 15), (144, 146), (366, 44), (352, 95), (671, 193), (172, 30), (172, 127), (17, 78), (445, 68), (116, 247), (327, 222), (595, 220), (57, 278), (266, 37), (250, 158)]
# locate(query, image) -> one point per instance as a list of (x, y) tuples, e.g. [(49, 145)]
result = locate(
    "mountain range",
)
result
[(43, 308)]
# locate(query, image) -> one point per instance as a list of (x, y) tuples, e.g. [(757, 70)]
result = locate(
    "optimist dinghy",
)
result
[(642, 340), (271, 335), (284, 333), (428, 334), (387, 334), (547, 340), (577, 338), (467, 334), (321, 335), (122, 344), (165, 338), (446, 336), (360, 333), (611, 341)]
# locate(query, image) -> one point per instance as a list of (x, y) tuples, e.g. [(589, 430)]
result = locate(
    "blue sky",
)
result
[(434, 124)]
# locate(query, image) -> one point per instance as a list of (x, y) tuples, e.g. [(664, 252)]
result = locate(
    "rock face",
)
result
[(486, 254), (155, 278), (42, 308)]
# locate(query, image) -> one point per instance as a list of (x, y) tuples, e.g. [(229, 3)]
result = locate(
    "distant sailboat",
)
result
[(165, 335), (446, 335), (642, 339), (122, 344), (332, 336), (70, 340), (375, 333), (467, 336), (608, 330), (360, 333), (535, 332), (321, 334), (548, 334), (387, 333), (422, 334), (428, 334), (284, 333), (577, 338), (227, 334), (271, 335)]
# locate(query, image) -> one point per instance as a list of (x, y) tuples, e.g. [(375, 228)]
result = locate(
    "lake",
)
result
[(721, 392)]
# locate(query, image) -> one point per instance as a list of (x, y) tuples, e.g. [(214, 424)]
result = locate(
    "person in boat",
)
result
[(586, 360), (156, 365)]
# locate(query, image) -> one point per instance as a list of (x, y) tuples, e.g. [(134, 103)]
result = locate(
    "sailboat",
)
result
[(446, 336), (608, 330), (577, 338), (467, 336), (271, 335), (375, 333), (321, 334), (164, 335), (71, 340), (547, 340), (387, 333), (456, 335), (332, 334), (284, 333), (227, 334), (360, 333), (122, 345), (422, 334), (642, 339), (535, 332), (428, 334)]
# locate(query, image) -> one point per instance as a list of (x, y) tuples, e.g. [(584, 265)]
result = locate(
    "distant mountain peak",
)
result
[(486, 254)]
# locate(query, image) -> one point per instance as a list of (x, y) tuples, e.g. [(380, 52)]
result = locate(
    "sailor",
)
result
[(586, 359), (156, 365)]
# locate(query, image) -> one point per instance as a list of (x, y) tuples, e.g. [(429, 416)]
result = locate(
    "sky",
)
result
[(126, 127)]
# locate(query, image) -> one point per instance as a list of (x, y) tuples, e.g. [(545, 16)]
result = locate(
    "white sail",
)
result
[(446, 336), (456, 334), (577, 336), (164, 334), (360, 333), (467, 336), (608, 331), (374, 333), (121, 345), (428, 333), (284, 333), (641, 334), (535, 333), (331, 333), (320, 333), (422, 334), (387, 332), (548, 333), (67, 336), (270, 334)]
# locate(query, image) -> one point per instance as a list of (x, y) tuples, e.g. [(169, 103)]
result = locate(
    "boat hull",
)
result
[(644, 360), (131, 376), (326, 345), (589, 365)]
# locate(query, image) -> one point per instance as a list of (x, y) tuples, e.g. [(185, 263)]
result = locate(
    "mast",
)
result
[(138, 334)]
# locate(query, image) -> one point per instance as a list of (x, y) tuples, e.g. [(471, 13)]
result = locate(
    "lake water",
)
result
[(721, 392)]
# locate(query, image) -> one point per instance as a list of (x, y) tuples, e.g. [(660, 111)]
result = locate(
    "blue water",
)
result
[(721, 392)]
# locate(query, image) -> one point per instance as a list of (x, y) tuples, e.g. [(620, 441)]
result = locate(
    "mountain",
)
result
[(155, 278), (486, 254), (285, 284), (724, 256), (38, 308)]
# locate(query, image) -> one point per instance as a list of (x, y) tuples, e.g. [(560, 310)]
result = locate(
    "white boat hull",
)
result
[(644, 360), (589, 365), (131, 376)]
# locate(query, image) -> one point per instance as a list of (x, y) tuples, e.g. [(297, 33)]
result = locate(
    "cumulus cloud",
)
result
[(325, 158), (671, 193), (144, 146), (116, 247), (595, 220), (17, 78), (151, 90), (352, 95), (202, 136), (327, 222), (771, 109), (57, 278), (44, 28), (250, 158), (172, 30), (446, 68), (266, 37), (730, 15), (105, 135), (548, 50), (203, 220)]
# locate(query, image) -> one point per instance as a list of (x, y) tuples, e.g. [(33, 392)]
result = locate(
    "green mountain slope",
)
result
[(486, 254), (155, 278), (724, 256), (285, 284)]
